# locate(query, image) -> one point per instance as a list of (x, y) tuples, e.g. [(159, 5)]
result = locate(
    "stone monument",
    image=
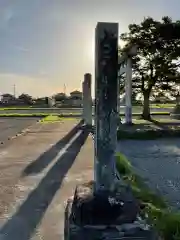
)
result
[(105, 209)]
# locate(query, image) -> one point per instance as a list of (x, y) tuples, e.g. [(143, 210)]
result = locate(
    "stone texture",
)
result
[(106, 62), (104, 215)]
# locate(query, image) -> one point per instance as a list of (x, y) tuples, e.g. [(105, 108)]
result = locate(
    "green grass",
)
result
[(23, 114), (161, 105), (152, 113), (45, 117), (15, 108), (160, 113), (34, 115), (166, 222), (159, 120), (147, 134), (152, 129), (51, 118), (54, 118)]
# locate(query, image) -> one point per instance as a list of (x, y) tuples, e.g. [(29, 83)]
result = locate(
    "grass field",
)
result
[(41, 114), (17, 107), (166, 105), (53, 118), (36, 114), (23, 114), (147, 130)]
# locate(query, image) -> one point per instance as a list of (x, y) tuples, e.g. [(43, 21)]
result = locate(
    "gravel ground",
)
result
[(158, 162), (9, 127)]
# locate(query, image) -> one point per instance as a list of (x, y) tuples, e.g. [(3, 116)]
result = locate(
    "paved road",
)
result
[(39, 171), (158, 161), (74, 110), (9, 127)]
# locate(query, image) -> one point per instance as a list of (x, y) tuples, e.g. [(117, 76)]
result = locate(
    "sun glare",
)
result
[(91, 50)]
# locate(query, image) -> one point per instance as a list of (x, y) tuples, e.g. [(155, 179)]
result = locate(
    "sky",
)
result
[(45, 44)]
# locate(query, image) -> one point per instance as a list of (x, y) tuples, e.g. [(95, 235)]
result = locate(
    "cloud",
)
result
[(6, 15), (22, 49)]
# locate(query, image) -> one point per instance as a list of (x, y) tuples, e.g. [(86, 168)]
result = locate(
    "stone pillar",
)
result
[(51, 102), (128, 89), (109, 212), (87, 99), (106, 66)]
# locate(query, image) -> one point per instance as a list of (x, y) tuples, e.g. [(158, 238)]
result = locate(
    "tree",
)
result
[(26, 98), (155, 66)]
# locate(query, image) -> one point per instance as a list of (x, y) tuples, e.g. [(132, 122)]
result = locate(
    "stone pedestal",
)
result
[(104, 215)]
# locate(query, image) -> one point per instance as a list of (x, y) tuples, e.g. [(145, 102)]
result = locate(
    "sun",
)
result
[(121, 43)]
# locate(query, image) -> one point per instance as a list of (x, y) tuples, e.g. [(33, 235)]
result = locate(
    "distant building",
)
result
[(8, 99), (59, 96), (75, 99), (76, 95)]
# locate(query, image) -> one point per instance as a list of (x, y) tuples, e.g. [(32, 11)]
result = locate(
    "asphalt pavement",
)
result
[(39, 172), (10, 127)]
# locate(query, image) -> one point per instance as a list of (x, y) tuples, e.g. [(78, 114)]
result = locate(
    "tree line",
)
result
[(156, 65)]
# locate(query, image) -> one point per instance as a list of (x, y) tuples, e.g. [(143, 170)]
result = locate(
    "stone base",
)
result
[(128, 124), (104, 215), (87, 127)]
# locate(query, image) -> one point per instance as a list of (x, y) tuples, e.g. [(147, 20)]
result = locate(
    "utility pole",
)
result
[(64, 89), (14, 90)]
